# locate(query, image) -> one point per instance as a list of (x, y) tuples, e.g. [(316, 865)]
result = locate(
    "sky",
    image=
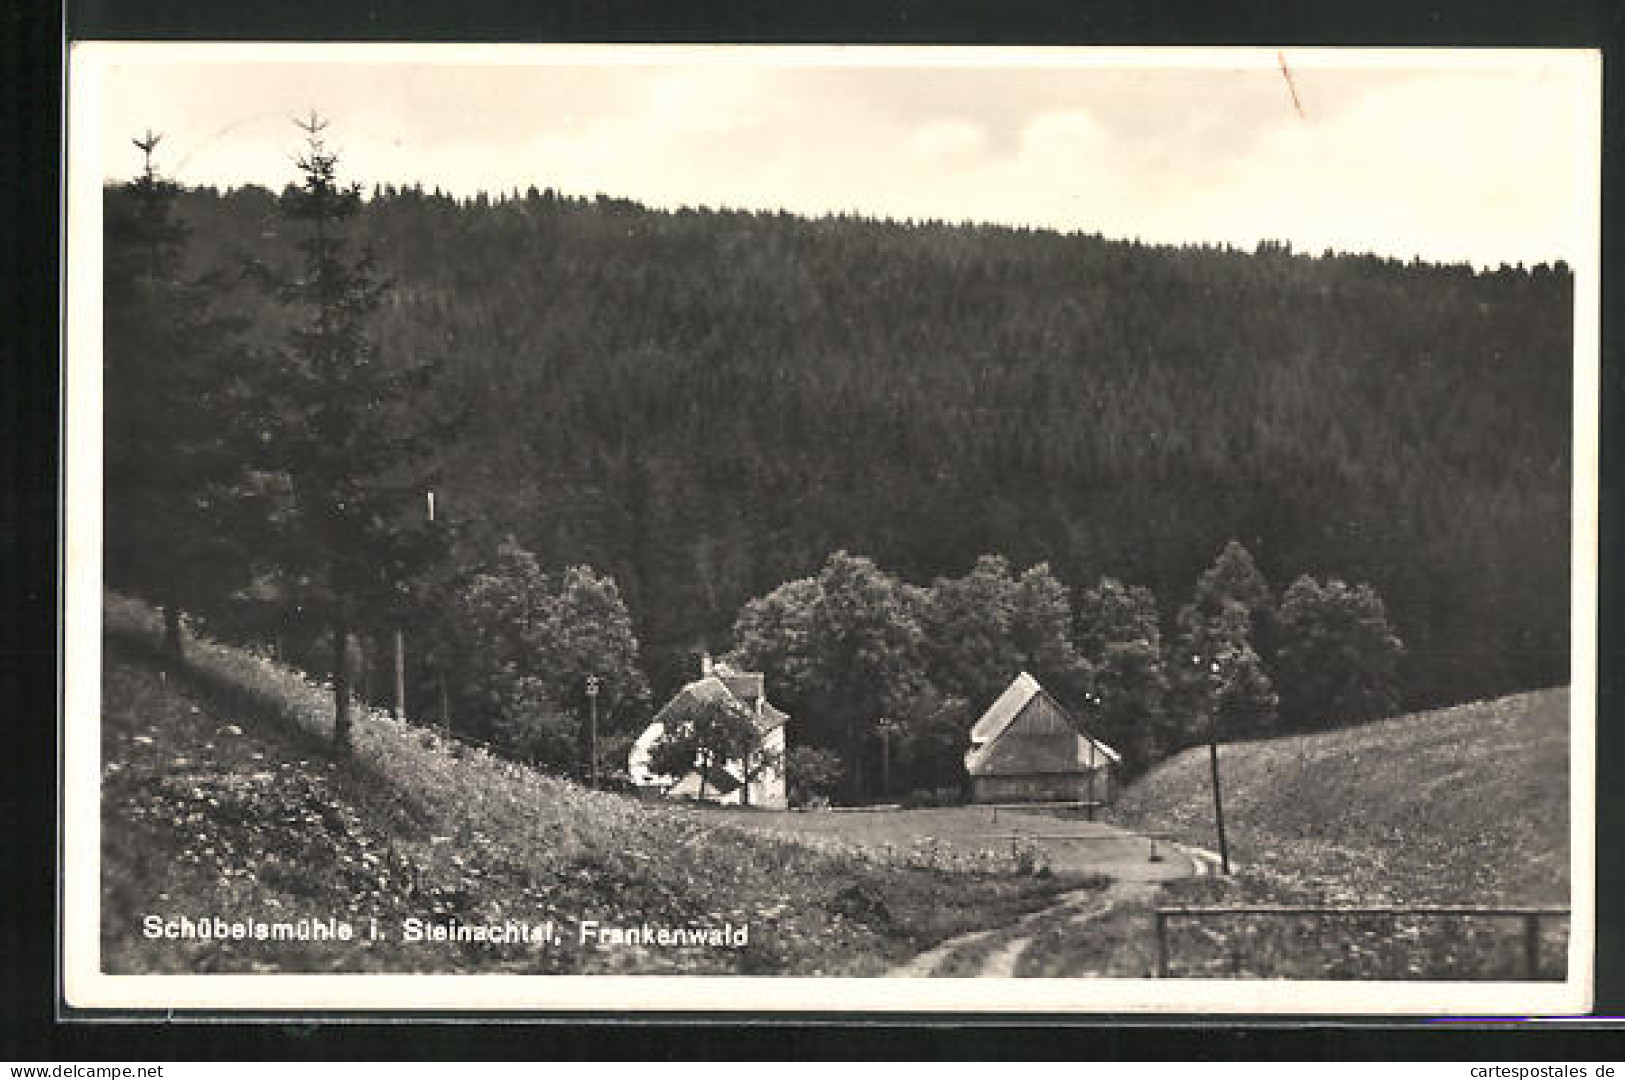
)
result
[(1449, 157)]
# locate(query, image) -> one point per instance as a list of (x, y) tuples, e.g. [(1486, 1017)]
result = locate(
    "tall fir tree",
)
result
[(170, 364), (342, 429)]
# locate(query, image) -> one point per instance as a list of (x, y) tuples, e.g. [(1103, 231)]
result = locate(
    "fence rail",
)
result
[(1090, 805), (1531, 917), (1154, 854)]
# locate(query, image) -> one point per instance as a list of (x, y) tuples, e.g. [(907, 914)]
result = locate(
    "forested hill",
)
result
[(705, 404)]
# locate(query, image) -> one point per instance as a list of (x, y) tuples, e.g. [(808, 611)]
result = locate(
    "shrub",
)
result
[(812, 774)]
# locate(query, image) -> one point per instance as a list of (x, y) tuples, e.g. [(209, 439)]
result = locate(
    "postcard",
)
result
[(838, 530)]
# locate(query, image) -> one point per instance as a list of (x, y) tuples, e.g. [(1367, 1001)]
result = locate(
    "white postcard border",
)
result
[(86, 987)]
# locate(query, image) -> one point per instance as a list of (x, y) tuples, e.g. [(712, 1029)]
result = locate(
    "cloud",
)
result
[(1449, 161)]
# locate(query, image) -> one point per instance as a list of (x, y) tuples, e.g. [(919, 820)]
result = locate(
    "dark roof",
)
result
[(715, 688), (746, 686), (699, 692)]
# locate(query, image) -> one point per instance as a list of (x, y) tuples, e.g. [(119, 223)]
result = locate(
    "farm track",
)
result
[(998, 953), (995, 954)]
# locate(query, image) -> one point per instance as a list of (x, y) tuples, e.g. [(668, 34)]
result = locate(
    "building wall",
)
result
[(768, 789), (637, 760), (1042, 787)]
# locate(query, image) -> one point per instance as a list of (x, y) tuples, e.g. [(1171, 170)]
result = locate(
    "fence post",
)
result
[(1162, 945), (1531, 944)]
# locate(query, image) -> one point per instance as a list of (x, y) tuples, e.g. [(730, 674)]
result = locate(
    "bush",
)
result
[(812, 774), (938, 796)]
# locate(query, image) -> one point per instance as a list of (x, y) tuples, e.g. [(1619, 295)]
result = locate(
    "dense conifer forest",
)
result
[(705, 404)]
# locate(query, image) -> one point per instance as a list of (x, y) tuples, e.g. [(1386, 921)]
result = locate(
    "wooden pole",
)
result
[(341, 685), (1218, 800), (173, 648), (1212, 674), (885, 761), (592, 696), (399, 711), (1162, 945)]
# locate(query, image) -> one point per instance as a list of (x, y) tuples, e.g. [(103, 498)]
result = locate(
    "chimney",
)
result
[(705, 664)]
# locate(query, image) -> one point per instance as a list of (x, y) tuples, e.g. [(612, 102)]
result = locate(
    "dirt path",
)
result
[(994, 952), (998, 953)]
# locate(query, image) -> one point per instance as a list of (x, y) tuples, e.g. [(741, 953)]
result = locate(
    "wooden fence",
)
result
[(1088, 806), (1159, 842), (1531, 917)]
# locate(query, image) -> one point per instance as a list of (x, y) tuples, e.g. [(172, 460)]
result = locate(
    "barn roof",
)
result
[(1005, 708), (1038, 754), (1044, 751)]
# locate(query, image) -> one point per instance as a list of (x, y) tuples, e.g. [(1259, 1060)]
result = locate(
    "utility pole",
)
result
[(592, 701), (398, 706), (885, 727), (399, 710), (1213, 761)]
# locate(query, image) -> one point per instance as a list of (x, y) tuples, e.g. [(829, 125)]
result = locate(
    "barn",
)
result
[(1028, 748), (724, 784)]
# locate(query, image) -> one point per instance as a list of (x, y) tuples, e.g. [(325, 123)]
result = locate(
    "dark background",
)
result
[(29, 518)]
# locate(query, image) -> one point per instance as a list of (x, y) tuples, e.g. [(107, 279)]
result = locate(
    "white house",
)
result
[(727, 784)]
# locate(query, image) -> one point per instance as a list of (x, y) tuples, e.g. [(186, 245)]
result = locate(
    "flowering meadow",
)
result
[(1463, 806), (222, 799)]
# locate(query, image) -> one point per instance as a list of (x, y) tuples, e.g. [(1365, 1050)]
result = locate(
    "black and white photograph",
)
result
[(930, 529)]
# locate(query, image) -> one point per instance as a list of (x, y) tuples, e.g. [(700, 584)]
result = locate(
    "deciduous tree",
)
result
[(170, 361), (1215, 667), (811, 773), (706, 733), (1338, 661), (532, 639), (1118, 635)]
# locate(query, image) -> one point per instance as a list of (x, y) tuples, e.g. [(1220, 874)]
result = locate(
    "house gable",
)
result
[(1005, 708), (742, 690), (1026, 731)]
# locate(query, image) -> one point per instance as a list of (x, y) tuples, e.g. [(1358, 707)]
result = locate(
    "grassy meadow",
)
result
[(1460, 806), (221, 797)]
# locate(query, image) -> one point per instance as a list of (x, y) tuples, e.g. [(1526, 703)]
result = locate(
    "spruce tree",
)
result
[(170, 361), (342, 428)]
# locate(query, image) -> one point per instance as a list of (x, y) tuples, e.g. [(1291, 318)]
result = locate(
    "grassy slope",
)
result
[(1466, 805), (220, 797), (1463, 805)]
